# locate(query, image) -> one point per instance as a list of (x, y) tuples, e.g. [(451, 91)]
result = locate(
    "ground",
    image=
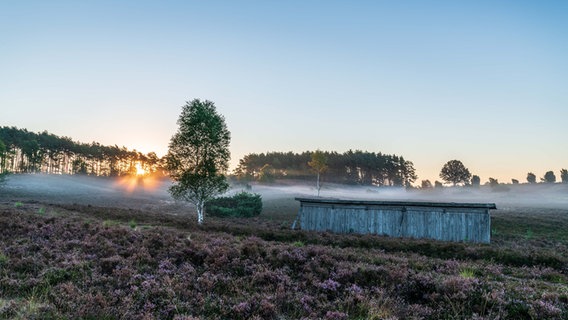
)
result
[(85, 247)]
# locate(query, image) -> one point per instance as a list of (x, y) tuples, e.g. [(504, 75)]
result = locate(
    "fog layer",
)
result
[(146, 193)]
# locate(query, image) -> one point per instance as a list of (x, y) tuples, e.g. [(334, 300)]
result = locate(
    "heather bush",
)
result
[(241, 205), (64, 267)]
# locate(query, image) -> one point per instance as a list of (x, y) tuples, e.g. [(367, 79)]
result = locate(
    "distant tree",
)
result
[(455, 172), (514, 181), (350, 167), (495, 186), (2, 155), (426, 184), (475, 181), (3, 171), (438, 184), (549, 177), (45, 152), (531, 177), (198, 155), (407, 172), (493, 182), (564, 175), (266, 174), (318, 165)]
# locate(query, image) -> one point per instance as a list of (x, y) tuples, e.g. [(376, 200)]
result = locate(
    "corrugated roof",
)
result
[(397, 203)]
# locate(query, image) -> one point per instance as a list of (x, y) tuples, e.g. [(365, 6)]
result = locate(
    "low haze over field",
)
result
[(150, 193), (483, 82)]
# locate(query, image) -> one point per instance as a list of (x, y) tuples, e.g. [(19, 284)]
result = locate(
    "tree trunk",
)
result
[(318, 184), (200, 208)]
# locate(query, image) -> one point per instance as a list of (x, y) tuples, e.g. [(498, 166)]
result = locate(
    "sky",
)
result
[(484, 82)]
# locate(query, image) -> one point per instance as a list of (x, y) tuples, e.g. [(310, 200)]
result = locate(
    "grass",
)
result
[(20, 309), (3, 259), (529, 234), (526, 223), (298, 244), (467, 273), (110, 223)]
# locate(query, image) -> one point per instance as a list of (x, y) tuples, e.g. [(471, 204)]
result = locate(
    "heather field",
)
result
[(91, 248)]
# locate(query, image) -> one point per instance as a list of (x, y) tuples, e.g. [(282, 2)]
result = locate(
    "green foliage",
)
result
[(318, 162), (426, 184), (319, 165), (266, 174), (109, 223), (44, 152), (455, 172), (549, 177), (529, 234), (350, 167), (475, 180), (18, 204), (242, 204), (3, 259), (198, 155), (531, 177), (467, 273), (3, 176), (298, 244), (564, 175)]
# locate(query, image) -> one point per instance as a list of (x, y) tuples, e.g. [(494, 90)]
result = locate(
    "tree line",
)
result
[(22, 151), (455, 172), (351, 167)]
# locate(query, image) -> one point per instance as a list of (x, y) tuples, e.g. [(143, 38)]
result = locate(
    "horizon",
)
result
[(481, 83), (417, 183)]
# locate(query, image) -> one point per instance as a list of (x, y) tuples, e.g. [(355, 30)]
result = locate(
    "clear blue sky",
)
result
[(485, 82)]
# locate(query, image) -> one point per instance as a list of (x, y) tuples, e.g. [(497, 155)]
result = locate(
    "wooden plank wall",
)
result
[(448, 224)]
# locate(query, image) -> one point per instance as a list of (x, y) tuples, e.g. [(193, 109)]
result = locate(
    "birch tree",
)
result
[(198, 155), (319, 165)]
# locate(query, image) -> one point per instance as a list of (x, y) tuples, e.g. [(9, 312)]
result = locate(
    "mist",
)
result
[(125, 192), (152, 193), (554, 196)]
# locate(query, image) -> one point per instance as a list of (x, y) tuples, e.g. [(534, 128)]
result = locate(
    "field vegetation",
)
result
[(67, 260)]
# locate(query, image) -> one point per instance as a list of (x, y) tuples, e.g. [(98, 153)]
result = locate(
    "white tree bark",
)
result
[(318, 184), (200, 208)]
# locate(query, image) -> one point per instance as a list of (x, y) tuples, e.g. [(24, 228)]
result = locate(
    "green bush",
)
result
[(3, 179), (242, 204)]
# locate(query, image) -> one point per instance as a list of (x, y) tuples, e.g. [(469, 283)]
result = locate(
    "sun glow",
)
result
[(139, 170), (140, 181)]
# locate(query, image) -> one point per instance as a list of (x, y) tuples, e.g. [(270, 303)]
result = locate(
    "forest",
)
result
[(351, 167), (22, 151)]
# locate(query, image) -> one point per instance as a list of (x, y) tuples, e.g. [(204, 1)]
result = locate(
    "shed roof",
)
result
[(398, 203)]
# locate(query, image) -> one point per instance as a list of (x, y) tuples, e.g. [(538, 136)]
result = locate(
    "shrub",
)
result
[(3, 178), (242, 204)]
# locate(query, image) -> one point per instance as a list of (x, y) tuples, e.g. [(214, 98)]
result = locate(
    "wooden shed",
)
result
[(446, 221)]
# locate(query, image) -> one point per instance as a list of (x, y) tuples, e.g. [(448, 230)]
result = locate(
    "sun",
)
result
[(139, 170)]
